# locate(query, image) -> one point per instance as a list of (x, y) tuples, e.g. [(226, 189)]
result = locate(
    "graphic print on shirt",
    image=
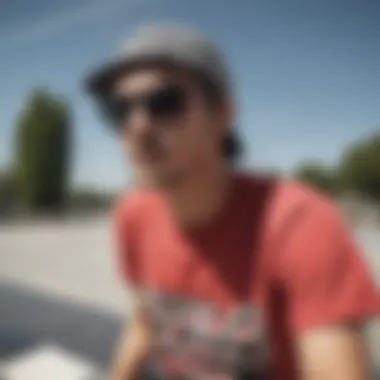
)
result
[(197, 340)]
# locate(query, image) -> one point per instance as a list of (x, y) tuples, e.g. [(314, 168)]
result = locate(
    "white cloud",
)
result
[(56, 23)]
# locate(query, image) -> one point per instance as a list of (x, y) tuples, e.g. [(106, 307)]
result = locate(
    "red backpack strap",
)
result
[(285, 206)]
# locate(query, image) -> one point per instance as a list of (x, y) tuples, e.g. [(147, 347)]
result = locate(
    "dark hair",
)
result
[(232, 147)]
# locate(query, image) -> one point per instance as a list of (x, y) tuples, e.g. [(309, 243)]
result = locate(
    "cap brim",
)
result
[(100, 80)]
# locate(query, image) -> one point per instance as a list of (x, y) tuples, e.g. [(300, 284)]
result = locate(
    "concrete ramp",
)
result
[(29, 319)]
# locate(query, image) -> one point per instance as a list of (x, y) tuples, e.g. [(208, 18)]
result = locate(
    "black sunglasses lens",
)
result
[(116, 110), (165, 102), (170, 101)]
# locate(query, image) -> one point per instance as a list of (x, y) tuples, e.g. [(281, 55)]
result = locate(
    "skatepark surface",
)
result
[(59, 287)]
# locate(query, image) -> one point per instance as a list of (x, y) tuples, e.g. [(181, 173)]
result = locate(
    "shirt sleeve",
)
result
[(326, 276), (125, 233)]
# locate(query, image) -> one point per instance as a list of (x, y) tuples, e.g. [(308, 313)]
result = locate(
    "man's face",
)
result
[(168, 126)]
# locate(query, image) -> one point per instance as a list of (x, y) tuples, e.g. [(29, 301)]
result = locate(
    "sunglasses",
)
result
[(162, 103)]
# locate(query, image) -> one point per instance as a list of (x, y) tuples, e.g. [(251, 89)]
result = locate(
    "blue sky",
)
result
[(306, 71)]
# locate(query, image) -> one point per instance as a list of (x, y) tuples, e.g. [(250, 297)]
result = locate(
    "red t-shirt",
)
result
[(228, 300)]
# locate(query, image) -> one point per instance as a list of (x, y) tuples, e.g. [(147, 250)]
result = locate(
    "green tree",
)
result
[(360, 167), (5, 181), (6, 191), (87, 199), (42, 151), (318, 176)]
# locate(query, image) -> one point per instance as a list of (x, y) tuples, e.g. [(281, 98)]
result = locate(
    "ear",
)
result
[(227, 113)]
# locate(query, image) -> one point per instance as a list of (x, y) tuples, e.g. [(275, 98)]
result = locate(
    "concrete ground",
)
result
[(71, 259), (58, 283)]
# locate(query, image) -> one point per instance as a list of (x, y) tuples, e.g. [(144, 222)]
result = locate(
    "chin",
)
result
[(158, 180), (146, 182), (149, 179)]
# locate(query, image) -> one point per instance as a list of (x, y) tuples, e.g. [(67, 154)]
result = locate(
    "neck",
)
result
[(200, 196)]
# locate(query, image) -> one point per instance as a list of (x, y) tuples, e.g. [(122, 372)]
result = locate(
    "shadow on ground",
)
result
[(28, 318)]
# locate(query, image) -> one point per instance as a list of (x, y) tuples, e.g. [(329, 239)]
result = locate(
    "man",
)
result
[(235, 276)]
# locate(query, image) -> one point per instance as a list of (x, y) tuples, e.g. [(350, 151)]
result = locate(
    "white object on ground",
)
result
[(47, 362)]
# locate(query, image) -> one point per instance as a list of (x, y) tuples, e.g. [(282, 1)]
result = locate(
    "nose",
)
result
[(139, 122)]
